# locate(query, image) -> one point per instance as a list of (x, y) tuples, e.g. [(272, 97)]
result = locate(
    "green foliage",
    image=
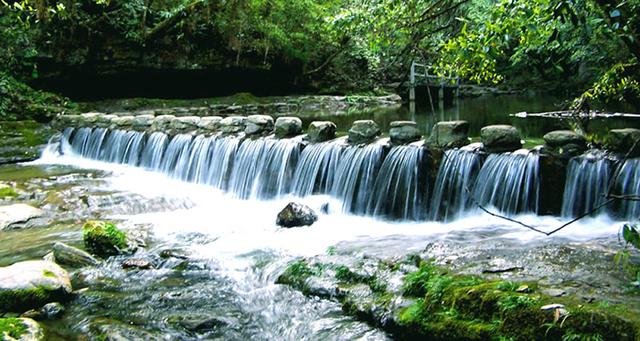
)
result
[(12, 328), (18, 101), (620, 84)]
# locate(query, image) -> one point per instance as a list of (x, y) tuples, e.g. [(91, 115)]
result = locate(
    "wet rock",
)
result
[(232, 124), (104, 239), (294, 215), (288, 127), (22, 329), (402, 132), (172, 253), (210, 123), (449, 134), (68, 255), (500, 138), (623, 140), (553, 292), (49, 311), (258, 125), (363, 131), (183, 124), (104, 121), (52, 310), (137, 263), (564, 143), (123, 121), (90, 118), (162, 123), (199, 323), (320, 131), (17, 213), (143, 121), (112, 330), (31, 284)]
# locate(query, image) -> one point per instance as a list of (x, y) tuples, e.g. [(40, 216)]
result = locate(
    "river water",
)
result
[(227, 251)]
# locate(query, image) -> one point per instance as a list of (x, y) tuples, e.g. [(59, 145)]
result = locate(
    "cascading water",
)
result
[(628, 183), (401, 189), (264, 168), (154, 150), (355, 176), (509, 182), (454, 183), (586, 185), (315, 172)]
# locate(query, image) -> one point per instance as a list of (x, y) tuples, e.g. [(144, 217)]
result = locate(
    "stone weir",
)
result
[(402, 176)]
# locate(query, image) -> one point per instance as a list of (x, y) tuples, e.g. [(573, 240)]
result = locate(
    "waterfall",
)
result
[(400, 188), (154, 150), (316, 169), (173, 160), (263, 168), (223, 152), (509, 182), (355, 176), (628, 183), (586, 185), (454, 183)]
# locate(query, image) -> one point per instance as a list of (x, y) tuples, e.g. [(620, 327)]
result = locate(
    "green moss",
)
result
[(7, 192), (18, 101), (49, 274), (103, 238), (25, 299), (12, 327), (296, 274)]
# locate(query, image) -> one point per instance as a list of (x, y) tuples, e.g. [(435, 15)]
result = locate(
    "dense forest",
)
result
[(586, 49)]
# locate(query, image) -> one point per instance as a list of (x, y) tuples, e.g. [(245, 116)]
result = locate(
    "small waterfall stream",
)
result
[(400, 190), (628, 183), (586, 185), (367, 180), (454, 183), (509, 182)]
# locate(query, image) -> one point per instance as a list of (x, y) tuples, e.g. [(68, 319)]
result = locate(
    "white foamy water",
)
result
[(240, 226)]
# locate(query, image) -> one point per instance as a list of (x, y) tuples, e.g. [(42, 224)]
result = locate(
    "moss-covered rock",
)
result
[(18, 101), (32, 284), (22, 141), (104, 239), (7, 191), (23, 329), (435, 304)]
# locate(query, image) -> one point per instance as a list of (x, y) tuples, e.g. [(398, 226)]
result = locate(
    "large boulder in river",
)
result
[(449, 134), (564, 143), (32, 284), (363, 131), (288, 127), (258, 125), (294, 215), (69, 255), (321, 131), (624, 140), (21, 329), (402, 132), (500, 138), (17, 213), (104, 239)]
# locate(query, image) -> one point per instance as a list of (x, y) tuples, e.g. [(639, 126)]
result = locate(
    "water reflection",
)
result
[(479, 112)]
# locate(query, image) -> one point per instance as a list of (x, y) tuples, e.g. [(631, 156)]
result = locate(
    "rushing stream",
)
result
[(226, 251)]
